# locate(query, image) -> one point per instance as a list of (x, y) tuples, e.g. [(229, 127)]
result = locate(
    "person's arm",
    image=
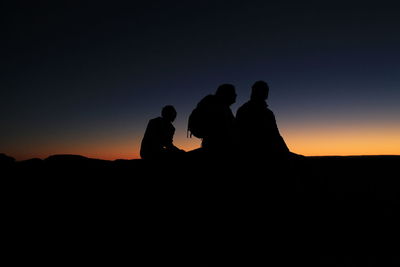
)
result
[(279, 141), (168, 141)]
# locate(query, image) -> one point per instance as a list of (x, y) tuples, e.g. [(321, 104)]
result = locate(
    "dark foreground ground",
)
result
[(336, 211)]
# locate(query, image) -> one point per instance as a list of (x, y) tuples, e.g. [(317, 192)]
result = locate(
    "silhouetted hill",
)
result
[(324, 210), (4, 159)]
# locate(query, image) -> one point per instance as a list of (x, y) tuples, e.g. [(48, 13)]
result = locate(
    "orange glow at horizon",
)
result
[(309, 140), (353, 138)]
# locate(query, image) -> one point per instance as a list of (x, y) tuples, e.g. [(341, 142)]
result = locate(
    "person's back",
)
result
[(220, 124), (258, 133), (158, 138)]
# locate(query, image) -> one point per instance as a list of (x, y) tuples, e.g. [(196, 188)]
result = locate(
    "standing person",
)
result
[(213, 121), (157, 142), (258, 133)]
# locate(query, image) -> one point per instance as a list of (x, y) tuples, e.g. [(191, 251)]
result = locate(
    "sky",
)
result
[(85, 77)]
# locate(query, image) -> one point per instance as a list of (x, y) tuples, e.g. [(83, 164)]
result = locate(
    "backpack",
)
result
[(198, 122)]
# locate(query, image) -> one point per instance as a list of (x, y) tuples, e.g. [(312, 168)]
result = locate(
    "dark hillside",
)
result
[(324, 210)]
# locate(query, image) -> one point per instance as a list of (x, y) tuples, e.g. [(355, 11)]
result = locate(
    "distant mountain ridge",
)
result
[(4, 158)]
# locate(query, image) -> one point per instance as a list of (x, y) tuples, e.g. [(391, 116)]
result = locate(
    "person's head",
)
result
[(226, 92), (259, 91), (169, 113)]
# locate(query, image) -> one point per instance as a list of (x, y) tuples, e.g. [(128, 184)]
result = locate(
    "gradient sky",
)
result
[(86, 78)]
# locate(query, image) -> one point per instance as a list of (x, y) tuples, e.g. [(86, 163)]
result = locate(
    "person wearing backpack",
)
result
[(157, 142), (213, 121)]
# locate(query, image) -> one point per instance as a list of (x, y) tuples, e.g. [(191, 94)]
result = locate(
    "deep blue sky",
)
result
[(85, 78)]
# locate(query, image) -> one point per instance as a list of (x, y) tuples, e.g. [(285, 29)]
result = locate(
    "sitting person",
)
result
[(214, 122), (258, 133), (157, 142)]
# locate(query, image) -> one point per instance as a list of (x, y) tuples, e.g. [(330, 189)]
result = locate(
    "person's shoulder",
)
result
[(155, 120), (268, 109), (245, 106), (208, 99), (269, 112)]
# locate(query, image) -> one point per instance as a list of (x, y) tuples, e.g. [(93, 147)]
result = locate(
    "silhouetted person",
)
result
[(217, 120), (157, 142), (258, 133)]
